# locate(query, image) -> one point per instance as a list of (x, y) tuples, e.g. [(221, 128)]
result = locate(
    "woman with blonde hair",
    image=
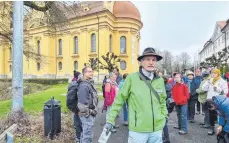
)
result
[(215, 86)]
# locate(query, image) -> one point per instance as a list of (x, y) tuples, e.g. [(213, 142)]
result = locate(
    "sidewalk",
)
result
[(195, 133)]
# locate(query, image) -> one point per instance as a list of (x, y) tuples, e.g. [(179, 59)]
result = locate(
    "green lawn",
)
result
[(33, 103)]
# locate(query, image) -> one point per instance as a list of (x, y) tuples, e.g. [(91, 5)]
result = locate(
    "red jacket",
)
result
[(180, 94)]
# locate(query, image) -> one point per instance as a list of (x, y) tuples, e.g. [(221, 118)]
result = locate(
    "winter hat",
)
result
[(190, 73), (205, 74), (217, 71)]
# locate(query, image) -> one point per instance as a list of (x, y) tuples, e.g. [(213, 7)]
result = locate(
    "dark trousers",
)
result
[(198, 106), (206, 113), (191, 109), (212, 114), (166, 132), (77, 125)]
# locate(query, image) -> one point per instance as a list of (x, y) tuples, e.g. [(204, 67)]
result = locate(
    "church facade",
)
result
[(100, 27)]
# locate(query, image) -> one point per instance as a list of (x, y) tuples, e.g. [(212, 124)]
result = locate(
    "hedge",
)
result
[(41, 81)]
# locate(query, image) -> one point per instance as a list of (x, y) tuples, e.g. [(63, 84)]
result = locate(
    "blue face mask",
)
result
[(189, 80)]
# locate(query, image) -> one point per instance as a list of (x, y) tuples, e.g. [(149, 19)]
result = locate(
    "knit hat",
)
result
[(190, 73), (205, 74), (217, 71)]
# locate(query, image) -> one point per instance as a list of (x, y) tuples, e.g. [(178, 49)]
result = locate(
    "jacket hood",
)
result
[(219, 101)]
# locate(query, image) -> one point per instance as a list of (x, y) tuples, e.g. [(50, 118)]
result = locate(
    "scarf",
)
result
[(215, 79), (189, 85)]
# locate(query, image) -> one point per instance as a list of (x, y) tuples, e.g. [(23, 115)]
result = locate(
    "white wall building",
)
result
[(217, 41)]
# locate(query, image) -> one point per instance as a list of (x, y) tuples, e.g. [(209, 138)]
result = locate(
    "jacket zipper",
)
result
[(152, 107), (135, 118)]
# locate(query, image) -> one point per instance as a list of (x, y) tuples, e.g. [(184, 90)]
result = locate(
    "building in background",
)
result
[(218, 41), (97, 28)]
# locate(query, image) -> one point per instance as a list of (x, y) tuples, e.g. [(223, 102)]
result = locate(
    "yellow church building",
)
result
[(98, 27)]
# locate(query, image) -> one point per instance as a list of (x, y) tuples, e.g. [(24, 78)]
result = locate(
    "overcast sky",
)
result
[(179, 26)]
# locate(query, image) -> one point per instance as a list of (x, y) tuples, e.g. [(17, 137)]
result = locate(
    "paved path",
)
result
[(195, 133)]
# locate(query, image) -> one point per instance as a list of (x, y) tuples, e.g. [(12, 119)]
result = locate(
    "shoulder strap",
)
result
[(150, 87)]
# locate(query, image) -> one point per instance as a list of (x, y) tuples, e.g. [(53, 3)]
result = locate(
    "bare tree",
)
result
[(185, 59), (109, 62), (177, 64), (167, 61), (52, 14)]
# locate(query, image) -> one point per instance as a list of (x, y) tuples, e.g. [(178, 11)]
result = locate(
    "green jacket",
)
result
[(202, 94), (146, 114)]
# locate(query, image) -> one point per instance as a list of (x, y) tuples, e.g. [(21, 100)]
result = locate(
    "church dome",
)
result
[(126, 9)]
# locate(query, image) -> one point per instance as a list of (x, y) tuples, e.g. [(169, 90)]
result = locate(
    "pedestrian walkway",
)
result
[(195, 133)]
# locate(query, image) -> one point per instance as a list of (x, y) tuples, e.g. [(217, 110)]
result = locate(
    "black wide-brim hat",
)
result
[(149, 52)]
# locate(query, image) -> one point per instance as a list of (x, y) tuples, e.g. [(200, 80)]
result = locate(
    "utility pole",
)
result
[(17, 72)]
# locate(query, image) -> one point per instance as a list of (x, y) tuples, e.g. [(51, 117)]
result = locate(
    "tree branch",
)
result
[(38, 8), (6, 36)]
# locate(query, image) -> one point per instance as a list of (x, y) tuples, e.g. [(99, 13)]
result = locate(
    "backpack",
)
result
[(72, 98)]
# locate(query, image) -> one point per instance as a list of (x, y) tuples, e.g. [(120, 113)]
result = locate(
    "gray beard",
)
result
[(148, 74)]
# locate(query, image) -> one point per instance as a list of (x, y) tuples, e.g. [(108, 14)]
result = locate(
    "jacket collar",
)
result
[(156, 76)]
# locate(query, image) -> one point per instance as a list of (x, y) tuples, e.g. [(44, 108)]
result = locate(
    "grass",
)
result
[(33, 103)]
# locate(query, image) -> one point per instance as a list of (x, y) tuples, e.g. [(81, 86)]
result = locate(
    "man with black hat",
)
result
[(146, 96)]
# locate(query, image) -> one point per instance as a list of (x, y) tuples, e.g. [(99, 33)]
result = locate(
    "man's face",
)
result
[(149, 63), (89, 73), (190, 76), (177, 78), (115, 72)]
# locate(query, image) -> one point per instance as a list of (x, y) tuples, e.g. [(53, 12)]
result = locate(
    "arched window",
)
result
[(60, 65), (123, 65), (75, 45), (75, 65), (110, 43), (123, 45), (93, 42), (38, 66), (38, 47), (60, 46), (10, 68)]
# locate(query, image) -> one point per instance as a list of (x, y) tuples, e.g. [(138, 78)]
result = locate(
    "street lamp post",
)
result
[(17, 72)]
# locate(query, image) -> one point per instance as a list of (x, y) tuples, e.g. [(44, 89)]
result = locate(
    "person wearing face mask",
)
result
[(192, 86), (180, 94), (215, 86), (146, 96)]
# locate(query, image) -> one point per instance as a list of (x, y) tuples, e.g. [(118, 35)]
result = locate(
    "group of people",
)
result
[(148, 97)]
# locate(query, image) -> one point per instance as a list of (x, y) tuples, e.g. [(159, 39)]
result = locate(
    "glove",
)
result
[(108, 127)]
